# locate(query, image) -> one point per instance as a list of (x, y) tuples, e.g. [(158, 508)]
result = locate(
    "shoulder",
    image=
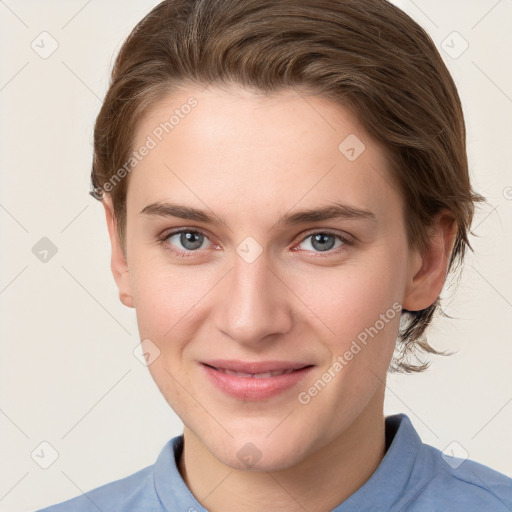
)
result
[(464, 484), (121, 495), (417, 477), (146, 490)]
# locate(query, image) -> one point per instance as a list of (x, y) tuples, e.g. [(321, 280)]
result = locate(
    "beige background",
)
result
[(68, 375)]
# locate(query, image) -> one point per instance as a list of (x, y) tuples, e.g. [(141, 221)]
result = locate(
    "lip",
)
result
[(237, 365), (254, 388)]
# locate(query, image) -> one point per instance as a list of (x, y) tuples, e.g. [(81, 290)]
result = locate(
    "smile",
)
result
[(263, 375), (254, 381)]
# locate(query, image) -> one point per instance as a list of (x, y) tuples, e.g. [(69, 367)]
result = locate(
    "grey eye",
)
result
[(189, 240), (322, 242)]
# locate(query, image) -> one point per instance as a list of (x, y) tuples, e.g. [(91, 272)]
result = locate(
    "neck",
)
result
[(318, 483)]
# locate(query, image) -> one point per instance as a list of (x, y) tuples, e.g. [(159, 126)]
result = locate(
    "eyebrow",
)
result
[(334, 211)]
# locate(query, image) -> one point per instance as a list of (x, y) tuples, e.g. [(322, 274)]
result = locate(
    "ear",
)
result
[(118, 264), (428, 270)]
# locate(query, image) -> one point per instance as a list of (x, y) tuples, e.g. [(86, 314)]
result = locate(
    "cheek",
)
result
[(349, 299), (167, 303), (341, 301), (165, 298)]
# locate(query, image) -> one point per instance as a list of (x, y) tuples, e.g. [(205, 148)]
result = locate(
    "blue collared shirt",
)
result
[(412, 477)]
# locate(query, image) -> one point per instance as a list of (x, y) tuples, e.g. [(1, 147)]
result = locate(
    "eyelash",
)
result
[(162, 240)]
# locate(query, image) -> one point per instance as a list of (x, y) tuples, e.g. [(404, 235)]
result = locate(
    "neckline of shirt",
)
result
[(386, 485)]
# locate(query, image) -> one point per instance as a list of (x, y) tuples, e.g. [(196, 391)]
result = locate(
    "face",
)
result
[(298, 265)]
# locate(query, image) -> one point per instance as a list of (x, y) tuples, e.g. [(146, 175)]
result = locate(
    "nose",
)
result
[(254, 303)]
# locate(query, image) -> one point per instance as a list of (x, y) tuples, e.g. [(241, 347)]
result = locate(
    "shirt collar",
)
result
[(380, 492), (391, 478), (170, 488)]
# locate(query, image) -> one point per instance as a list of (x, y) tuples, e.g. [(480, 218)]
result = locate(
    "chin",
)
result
[(260, 452)]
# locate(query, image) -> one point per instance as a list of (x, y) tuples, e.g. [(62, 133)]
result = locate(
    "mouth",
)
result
[(262, 375), (254, 367), (255, 380)]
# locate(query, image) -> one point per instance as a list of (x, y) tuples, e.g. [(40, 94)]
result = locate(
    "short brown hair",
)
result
[(366, 55)]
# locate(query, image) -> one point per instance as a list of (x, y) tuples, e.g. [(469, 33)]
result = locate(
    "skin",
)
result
[(252, 158)]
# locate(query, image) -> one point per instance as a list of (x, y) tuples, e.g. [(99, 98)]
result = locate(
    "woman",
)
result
[(285, 185)]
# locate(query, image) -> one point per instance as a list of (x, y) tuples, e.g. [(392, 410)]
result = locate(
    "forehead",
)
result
[(231, 147)]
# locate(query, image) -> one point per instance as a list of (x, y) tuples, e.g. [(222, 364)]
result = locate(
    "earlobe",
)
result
[(119, 263), (428, 270)]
